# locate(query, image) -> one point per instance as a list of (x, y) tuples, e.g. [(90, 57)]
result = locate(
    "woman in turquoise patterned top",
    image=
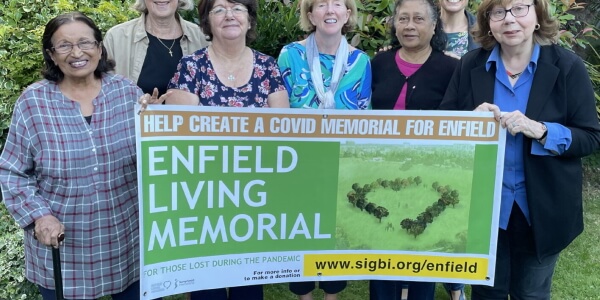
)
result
[(323, 71), (327, 21)]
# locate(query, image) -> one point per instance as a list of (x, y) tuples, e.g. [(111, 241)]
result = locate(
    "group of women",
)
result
[(69, 162)]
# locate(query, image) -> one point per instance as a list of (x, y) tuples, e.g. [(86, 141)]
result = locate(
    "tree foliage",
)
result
[(277, 25), (12, 264), (22, 24)]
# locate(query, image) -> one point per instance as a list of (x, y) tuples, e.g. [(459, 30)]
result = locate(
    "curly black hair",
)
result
[(438, 41)]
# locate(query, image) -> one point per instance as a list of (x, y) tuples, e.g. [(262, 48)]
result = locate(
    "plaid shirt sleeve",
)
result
[(17, 172)]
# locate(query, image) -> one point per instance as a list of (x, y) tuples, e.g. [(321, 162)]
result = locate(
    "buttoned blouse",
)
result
[(55, 163)]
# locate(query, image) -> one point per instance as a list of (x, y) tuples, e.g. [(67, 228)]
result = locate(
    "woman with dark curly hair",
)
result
[(412, 75), (69, 166)]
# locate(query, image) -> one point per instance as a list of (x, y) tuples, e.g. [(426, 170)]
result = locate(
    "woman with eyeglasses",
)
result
[(227, 73), (542, 94), (413, 75), (69, 166)]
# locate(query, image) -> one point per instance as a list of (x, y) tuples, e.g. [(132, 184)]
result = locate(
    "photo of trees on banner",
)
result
[(233, 197)]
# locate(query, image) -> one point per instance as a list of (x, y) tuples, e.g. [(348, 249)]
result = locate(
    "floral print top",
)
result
[(195, 74), (458, 43)]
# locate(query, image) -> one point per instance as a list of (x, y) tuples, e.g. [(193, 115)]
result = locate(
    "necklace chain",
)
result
[(513, 76), (231, 76), (168, 48)]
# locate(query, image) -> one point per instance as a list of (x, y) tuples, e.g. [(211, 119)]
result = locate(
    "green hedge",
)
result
[(22, 24), (12, 266)]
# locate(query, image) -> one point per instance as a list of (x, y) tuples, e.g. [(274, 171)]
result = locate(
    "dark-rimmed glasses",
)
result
[(68, 47), (517, 11)]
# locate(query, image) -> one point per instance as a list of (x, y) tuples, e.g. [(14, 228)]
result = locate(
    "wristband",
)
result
[(545, 132)]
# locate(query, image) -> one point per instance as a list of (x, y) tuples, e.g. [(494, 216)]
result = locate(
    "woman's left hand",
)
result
[(516, 122)]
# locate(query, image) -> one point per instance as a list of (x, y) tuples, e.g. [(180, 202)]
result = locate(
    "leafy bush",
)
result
[(372, 30), (277, 25), (12, 265), (22, 24), (580, 37)]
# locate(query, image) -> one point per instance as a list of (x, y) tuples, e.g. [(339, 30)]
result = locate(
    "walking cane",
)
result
[(58, 283)]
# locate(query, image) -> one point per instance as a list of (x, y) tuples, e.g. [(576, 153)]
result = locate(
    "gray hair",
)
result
[(140, 5)]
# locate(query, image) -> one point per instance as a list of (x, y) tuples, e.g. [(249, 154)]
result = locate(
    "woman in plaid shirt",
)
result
[(69, 166)]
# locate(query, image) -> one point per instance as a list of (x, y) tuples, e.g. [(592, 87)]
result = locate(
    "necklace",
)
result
[(513, 76), (168, 48), (231, 76)]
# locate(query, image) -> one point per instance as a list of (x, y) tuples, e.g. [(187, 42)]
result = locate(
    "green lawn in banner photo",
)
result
[(448, 166)]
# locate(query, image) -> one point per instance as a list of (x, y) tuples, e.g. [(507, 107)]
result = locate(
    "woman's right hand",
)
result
[(490, 107), (148, 99), (47, 229), (171, 97)]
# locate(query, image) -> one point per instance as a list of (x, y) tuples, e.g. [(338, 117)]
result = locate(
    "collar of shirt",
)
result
[(495, 58), (511, 98)]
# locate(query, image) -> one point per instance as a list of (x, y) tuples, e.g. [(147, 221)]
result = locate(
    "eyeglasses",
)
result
[(517, 11), (220, 11), (68, 47)]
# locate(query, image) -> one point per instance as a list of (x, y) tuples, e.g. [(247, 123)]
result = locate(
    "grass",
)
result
[(576, 276), (363, 231)]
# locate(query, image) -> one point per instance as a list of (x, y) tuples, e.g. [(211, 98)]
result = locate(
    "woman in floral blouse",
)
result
[(228, 72)]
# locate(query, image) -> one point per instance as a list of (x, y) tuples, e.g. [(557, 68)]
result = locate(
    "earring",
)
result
[(490, 33), (537, 26)]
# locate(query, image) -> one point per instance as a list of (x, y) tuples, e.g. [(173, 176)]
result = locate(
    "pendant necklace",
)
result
[(168, 48), (231, 76), (513, 76)]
